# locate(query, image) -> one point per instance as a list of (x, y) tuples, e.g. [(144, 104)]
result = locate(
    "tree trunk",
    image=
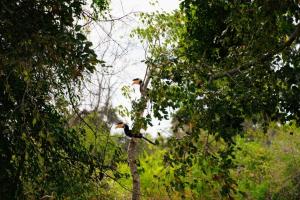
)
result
[(132, 160), (133, 144)]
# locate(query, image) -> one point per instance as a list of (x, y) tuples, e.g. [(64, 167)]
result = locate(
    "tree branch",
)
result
[(292, 37), (263, 58)]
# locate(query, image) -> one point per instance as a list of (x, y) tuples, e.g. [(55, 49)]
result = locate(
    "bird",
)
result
[(140, 82), (129, 133)]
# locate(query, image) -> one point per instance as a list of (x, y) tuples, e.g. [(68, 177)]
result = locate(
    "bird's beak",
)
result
[(120, 126), (136, 82)]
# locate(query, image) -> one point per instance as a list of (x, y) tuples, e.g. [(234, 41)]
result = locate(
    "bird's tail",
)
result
[(148, 140)]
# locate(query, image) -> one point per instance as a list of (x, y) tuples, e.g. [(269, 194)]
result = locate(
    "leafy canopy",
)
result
[(221, 63), (43, 58)]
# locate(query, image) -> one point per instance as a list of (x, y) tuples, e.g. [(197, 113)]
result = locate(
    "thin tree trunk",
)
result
[(134, 142), (132, 160)]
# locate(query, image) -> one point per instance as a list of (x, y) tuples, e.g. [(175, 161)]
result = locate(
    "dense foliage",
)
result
[(267, 168), (228, 71), (43, 58), (220, 64)]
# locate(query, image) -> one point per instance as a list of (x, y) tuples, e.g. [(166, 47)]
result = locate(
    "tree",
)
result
[(43, 57), (221, 63)]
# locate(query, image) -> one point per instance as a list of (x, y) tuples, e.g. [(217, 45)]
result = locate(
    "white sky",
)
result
[(128, 65), (142, 6)]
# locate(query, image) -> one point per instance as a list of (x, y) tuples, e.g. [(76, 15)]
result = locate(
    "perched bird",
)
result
[(138, 81), (129, 133)]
